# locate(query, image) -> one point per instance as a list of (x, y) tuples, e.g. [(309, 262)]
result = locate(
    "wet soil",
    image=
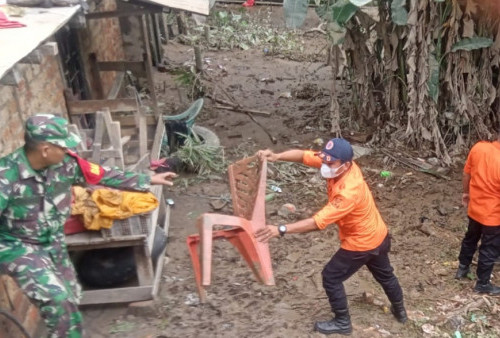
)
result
[(423, 214)]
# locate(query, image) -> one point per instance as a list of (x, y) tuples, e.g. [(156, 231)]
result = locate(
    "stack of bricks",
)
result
[(13, 301), (39, 91)]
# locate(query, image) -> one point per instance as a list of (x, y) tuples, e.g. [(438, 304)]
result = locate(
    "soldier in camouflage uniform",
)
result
[(35, 197)]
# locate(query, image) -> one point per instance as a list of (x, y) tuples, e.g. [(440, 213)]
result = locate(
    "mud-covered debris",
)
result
[(218, 204), (287, 210)]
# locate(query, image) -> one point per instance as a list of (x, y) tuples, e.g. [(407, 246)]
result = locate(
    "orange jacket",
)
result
[(351, 207), (483, 165)]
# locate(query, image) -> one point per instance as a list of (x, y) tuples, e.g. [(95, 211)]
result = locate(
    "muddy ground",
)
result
[(422, 212)]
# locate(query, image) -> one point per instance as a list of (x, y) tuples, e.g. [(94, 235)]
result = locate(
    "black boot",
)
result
[(487, 288), (398, 310), (462, 271), (340, 324)]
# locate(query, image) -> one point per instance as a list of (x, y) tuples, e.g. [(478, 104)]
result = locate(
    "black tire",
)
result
[(207, 135)]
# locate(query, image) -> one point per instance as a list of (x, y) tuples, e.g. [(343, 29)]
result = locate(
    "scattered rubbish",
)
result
[(457, 334), (319, 141), (380, 185), (192, 299), (385, 174), (286, 95), (267, 80), (287, 209), (266, 50), (170, 202), (276, 188), (267, 91), (442, 211), (270, 197), (360, 151), (218, 204)]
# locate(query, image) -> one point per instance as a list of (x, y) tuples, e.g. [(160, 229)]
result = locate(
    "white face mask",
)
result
[(328, 172)]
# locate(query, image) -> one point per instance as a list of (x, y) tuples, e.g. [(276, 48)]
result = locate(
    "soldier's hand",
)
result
[(267, 154), (163, 178), (265, 234)]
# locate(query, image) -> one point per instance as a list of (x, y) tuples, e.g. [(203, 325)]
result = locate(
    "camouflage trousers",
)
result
[(47, 277)]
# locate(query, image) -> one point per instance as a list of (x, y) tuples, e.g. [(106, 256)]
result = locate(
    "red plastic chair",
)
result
[(247, 179)]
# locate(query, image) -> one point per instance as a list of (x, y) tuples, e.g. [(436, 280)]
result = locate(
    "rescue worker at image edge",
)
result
[(481, 187), (35, 198), (363, 234)]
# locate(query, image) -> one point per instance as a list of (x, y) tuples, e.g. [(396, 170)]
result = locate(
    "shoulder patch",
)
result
[(91, 171)]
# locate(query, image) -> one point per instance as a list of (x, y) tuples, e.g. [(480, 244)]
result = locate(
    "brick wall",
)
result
[(40, 90), (15, 302)]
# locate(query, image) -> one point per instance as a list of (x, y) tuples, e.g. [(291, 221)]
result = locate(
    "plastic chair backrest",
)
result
[(247, 179), (189, 115)]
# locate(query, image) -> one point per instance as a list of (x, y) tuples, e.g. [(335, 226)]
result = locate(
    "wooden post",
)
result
[(164, 27), (147, 64), (206, 30), (197, 57), (157, 30), (151, 40)]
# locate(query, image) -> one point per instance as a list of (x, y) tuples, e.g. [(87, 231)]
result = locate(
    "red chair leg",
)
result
[(192, 242)]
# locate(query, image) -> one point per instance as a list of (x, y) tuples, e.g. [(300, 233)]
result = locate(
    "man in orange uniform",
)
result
[(481, 185), (363, 234)]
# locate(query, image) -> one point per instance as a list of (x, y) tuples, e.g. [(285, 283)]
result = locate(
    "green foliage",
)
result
[(472, 44), (229, 30), (200, 157)]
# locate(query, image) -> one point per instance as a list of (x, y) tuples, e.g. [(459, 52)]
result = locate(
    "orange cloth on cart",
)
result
[(102, 206)]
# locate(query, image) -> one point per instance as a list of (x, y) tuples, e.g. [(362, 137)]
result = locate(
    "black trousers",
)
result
[(489, 250), (345, 263)]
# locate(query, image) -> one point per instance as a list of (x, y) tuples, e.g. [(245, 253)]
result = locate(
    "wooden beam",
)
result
[(136, 67), (91, 106), (118, 295), (11, 78), (123, 13)]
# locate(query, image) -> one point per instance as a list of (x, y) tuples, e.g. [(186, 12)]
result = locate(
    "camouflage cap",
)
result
[(52, 129)]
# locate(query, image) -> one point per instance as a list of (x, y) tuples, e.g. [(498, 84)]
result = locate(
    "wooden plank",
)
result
[(117, 85), (158, 273), (116, 142), (157, 36), (157, 142), (96, 241), (98, 136), (151, 40), (117, 295), (147, 64), (119, 14), (136, 67), (143, 265), (91, 106)]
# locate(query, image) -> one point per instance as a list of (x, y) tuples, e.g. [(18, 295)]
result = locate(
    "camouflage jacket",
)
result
[(34, 205)]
